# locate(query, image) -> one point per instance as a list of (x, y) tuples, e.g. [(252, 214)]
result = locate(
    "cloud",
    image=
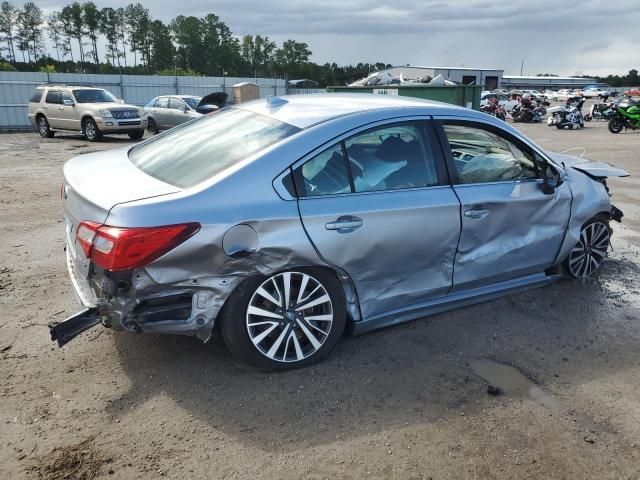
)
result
[(551, 36)]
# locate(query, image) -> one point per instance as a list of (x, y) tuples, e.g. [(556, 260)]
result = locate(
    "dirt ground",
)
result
[(402, 403)]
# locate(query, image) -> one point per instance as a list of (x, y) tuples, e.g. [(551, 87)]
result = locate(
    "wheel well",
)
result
[(346, 284), (85, 118), (40, 115)]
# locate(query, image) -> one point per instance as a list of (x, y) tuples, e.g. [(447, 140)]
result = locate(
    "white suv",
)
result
[(595, 92), (92, 111)]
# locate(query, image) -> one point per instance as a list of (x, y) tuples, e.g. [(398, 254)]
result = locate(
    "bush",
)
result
[(181, 72), (6, 66)]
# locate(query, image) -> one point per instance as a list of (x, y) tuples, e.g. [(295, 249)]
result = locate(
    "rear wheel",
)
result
[(616, 125), (90, 130), (43, 127), (288, 320), (588, 117), (591, 250), (137, 135)]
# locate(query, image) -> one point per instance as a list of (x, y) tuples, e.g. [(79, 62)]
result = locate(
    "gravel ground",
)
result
[(402, 403)]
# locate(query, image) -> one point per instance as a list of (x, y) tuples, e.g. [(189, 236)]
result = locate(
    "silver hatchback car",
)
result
[(284, 223)]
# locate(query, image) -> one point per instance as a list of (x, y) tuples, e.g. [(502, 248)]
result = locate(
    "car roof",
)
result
[(74, 87), (306, 110)]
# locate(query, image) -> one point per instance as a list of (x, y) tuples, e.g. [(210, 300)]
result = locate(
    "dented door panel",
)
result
[(509, 229), (401, 253)]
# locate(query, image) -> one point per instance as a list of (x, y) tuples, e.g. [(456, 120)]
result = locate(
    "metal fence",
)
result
[(16, 89)]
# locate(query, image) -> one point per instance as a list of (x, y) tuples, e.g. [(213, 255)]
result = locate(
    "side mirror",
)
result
[(120, 100), (549, 185), (185, 109), (68, 103)]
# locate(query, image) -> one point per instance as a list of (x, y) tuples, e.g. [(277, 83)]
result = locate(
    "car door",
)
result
[(177, 113), (510, 227), (377, 205), (51, 107), (161, 113), (67, 112)]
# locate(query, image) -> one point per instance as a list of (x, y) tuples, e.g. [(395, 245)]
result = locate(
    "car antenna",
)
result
[(274, 101)]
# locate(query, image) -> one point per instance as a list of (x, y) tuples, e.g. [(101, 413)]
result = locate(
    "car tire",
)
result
[(91, 130), (260, 332), (137, 135), (587, 255), (43, 127), (587, 117), (152, 127), (616, 125), (555, 99)]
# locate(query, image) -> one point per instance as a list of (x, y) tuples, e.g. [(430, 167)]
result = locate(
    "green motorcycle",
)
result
[(627, 116)]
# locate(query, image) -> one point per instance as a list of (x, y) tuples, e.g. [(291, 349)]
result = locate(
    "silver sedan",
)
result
[(283, 223), (168, 111)]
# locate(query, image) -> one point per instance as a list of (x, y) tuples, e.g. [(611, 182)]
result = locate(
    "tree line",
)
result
[(83, 38)]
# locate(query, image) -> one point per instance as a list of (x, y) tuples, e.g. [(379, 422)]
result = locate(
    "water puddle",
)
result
[(511, 381)]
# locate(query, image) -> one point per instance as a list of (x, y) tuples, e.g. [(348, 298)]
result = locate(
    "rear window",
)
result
[(37, 95), (196, 151), (53, 96)]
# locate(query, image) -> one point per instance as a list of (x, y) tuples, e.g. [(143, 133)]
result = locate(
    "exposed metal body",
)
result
[(399, 255)]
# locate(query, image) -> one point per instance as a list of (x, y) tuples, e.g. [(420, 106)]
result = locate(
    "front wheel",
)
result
[(588, 117), (137, 135), (616, 124), (91, 130), (590, 251), (288, 320), (152, 127)]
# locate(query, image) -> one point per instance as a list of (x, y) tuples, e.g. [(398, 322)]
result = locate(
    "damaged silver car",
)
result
[(282, 224)]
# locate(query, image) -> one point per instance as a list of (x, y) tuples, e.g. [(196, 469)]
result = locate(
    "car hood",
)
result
[(594, 169), (216, 98), (113, 106), (95, 182)]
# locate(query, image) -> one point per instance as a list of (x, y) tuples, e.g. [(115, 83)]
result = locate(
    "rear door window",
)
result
[(324, 174), (37, 95), (391, 158), (53, 96)]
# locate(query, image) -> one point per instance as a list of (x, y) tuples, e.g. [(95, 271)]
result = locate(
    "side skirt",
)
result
[(453, 301)]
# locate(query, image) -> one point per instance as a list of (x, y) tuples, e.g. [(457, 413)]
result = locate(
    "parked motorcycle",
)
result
[(495, 109), (528, 112), (601, 111), (627, 116), (568, 115)]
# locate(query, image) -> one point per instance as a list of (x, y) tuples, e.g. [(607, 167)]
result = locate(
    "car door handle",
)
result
[(345, 224), (476, 214)]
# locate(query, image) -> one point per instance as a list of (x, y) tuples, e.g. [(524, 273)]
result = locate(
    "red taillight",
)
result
[(119, 248)]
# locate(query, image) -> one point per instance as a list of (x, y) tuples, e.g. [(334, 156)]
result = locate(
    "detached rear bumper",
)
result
[(73, 326)]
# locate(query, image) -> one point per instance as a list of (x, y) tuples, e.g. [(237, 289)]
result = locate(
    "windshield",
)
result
[(191, 101), (195, 151), (93, 96)]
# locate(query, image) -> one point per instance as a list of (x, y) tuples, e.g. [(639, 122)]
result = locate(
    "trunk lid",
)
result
[(95, 182)]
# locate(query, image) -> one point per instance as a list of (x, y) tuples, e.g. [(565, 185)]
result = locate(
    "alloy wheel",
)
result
[(289, 317), (587, 256), (90, 130), (43, 127)]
